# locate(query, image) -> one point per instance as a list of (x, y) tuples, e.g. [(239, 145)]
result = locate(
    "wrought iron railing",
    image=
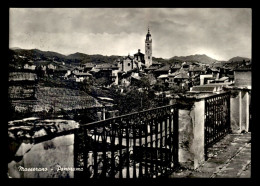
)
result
[(143, 144), (217, 119)]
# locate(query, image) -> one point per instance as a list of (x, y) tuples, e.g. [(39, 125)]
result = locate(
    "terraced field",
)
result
[(57, 98), (63, 98)]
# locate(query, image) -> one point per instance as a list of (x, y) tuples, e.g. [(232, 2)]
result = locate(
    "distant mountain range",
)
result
[(202, 58), (76, 58), (81, 58)]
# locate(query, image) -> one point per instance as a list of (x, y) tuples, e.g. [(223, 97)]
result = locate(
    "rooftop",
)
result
[(163, 69), (223, 79), (82, 74), (163, 76), (195, 69), (203, 89), (182, 76), (106, 66)]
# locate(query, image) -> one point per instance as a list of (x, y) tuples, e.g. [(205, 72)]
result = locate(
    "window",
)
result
[(128, 64), (148, 57)]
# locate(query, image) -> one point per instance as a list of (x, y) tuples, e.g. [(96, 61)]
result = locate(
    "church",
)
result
[(140, 60)]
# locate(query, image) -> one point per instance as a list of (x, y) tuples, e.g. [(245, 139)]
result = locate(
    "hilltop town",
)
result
[(48, 82), (111, 115)]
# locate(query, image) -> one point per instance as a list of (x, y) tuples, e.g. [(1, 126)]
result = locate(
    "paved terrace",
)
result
[(229, 158)]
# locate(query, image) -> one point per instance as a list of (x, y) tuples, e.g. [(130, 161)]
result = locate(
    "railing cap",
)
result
[(125, 115)]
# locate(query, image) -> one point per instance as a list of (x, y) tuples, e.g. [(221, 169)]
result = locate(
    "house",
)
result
[(181, 79), (214, 71), (87, 67), (221, 80), (61, 71), (80, 77), (206, 79), (78, 69), (186, 65), (210, 88), (47, 66), (108, 71), (52, 66), (171, 78), (156, 63), (29, 66), (163, 70), (204, 89), (151, 69), (164, 77), (175, 67), (195, 70), (124, 78)]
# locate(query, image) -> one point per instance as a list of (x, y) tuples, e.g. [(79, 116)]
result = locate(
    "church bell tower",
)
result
[(148, 49)]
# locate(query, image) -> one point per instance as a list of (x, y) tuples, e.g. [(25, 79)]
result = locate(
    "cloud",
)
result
[(220, 32)]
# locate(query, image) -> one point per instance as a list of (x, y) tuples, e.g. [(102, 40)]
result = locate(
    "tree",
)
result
[(134, 100), (87, 85), (102, 81), (159, 85)]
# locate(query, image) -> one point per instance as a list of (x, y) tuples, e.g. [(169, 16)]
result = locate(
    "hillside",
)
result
[(75, 58), (238, 59), (196, 58), (38, 54)]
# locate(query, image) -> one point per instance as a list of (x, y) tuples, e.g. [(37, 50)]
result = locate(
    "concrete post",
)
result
[(197, 146), (191, 135), (104, 113), (240, 110), (247, 111)]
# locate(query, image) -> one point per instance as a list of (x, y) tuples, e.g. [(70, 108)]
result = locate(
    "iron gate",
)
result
[(217, 119)]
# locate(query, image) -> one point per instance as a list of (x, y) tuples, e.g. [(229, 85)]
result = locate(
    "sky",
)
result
[(220, 33)]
